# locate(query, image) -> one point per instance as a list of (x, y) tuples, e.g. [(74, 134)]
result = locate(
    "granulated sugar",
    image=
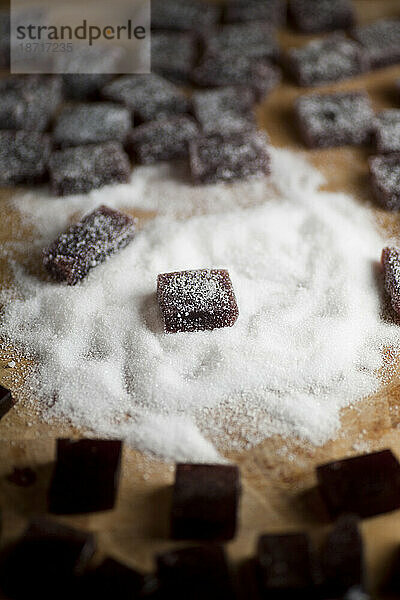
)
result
[(307, 342)]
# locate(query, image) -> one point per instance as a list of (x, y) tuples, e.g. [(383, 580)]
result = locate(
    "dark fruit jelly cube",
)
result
[(323, 61), (330, 120), (365, 485), (86, 476), (24, 157), (196, 300), (284, 565), (255, 39), (91, 124), (173, 54), (150, 97), (111, 579), (205, 502), (224, 110), (391, 273), (387, 131), (314, 16), (202, 569), (385, 179), (183, 15), (342, 558), (215, 70), (6, 401), (29, 102), (88, 243), (237, 11), (217, 158), (45, 559), (81, 169), (381, 41), (165, 139)]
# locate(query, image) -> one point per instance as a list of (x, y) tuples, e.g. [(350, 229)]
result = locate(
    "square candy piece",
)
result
[(314, 16), (6, 401), (91, 124), (391, 275), (86, 476), (239, 11), (387, 131), (365, 485), (205, 502), (24, 157), (224, 110), (381, 41), (165, 139), (111, 579), (385, 179), (255, 39), (335, 119), (217, 158), (173, 54), (183, 15), (83, 168), (196, 300), (149, 96), (87, 244), (327, 60)]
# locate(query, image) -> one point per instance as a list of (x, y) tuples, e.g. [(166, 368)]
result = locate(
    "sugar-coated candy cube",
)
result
[(86, 476), (28, 102), (284, 565), (224, 110), (80, 169), (87, 244), (24, 157), (165, 139), (334, 119), (6, 401), (381, 41), (91, 123), (385, 179), (221, 69), (196, 300), (46, 558), (149, 96), (183, 15), (342, 558), (390, 260), (314, 16), (4, 39), (272, 11), (110, 579), (255, 39), (216, 158), (205, 502), (202, 569), (326, 60), (387, 131), (173, 54), (365, 485)]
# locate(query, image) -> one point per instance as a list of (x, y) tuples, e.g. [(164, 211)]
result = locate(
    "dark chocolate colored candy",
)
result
[(149, 96), (385, 179), (86, 476), (183, 15), (88, 243), (45, 559), (4, 39), (202, 569), (271, 11), (83, 168), (255, 39), (92, 124), (365, 485), (284, 565), (326, 60), (224, 110), (205, 502), (173, 54), (216, 158), (111, 579), (387, 131), (165, 139), (6, 401), (381, 41), (314, 16), (392, 585), (342, 558), (196, 300), (24, 157), (334, 119), (391, 272)]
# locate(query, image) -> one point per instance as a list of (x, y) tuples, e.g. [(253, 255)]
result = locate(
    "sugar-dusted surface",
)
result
[(167, 61), (385, 178), (273, 11), (391, 273), (314, 16), (254, 39), (226, 110), (24, 157), (381, 41), (183, 15), (387, 131)]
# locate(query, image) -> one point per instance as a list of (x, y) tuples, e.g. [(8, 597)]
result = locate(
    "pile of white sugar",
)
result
[(307, 343)]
